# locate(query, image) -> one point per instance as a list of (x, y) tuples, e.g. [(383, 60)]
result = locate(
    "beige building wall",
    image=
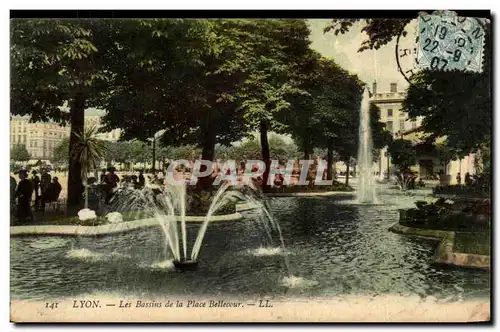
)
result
[(95, 120), (41, 138), (389, 99)]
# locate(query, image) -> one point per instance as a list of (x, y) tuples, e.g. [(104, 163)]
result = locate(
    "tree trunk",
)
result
[(354, 170), (347, 173), (307, 153), (266, 154), (77, 119), (86, 196), (329, 162)]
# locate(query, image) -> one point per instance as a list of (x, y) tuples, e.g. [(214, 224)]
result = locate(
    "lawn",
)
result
[(472, 243)]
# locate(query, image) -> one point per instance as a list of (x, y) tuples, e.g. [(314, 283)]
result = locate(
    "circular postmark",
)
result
[(449, 42), (406, 52)]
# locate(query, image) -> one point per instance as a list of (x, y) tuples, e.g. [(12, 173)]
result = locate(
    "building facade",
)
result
[(397, 122), (41, 138), (95, 121)]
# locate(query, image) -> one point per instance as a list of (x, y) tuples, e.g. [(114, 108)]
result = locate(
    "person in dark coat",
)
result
[(45, 180), (24, 192), (111, 184), (102, 176), (13, 185), (36, 185), (142, 180)]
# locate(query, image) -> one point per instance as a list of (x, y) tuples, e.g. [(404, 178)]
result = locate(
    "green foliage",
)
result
[(441, 215), (19, 153), (478, 243), (250, 148), (188, 152), (51, 61), (328, 117), (380, 31), (403, 154), (89, 151), (60, 155)]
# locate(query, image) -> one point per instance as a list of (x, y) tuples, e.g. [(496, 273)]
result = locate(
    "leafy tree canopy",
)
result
[(19, 153), (403, 154)]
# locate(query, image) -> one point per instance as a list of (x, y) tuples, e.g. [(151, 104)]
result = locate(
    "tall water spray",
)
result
[(366, 180)]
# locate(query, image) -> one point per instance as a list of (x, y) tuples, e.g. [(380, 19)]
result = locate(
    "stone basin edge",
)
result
[(444, 251)]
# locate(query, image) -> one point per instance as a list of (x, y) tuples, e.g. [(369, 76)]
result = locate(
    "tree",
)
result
[(60, 155), (19, 153), (88, 152), (250, 149), (54, 63), (237, 73), (403, 154)]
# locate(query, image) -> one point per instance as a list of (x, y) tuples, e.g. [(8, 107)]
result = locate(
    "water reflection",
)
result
[(333, 248)]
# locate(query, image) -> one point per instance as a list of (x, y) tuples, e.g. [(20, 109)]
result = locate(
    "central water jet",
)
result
[(366, 182)]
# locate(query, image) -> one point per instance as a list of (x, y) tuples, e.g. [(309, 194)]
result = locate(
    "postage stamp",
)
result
[(450, 42), (250, 170)]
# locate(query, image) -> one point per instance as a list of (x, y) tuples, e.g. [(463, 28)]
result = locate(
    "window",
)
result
[(24, 129), (44, 144), (389, 112), (24, 138), (36, 144), (413, 124), (31, 144), (388, 126), (402, 124), (13, 129), (394, 87)]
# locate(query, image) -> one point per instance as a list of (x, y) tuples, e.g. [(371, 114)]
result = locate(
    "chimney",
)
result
[(374, 89)]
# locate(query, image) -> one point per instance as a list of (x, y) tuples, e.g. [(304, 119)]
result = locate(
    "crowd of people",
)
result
[(44, 188)]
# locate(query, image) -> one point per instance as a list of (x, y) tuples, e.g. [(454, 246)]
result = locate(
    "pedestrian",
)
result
[(102, 176), (468, 179), (23, 195), (142, 180), (45, 181), (52, 192), (35, 179), (13, 185), (459, 178), (111, 180)]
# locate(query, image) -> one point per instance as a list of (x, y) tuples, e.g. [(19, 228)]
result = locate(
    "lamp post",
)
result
[(155, 136)]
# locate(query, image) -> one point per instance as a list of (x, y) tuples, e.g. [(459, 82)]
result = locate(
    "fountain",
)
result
[(366, 181), (167, 203)]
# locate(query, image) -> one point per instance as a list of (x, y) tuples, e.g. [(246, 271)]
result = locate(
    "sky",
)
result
[(370, 65)]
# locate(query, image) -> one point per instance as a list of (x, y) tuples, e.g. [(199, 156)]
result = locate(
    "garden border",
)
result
[(444, 252), (106, 229)]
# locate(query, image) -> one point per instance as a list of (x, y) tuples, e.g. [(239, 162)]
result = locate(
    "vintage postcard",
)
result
[(250, 169)]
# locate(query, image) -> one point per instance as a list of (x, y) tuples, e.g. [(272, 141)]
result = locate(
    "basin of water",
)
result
[(332, 248)]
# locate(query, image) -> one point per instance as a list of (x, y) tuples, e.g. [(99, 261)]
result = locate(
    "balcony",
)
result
[(388, 97)]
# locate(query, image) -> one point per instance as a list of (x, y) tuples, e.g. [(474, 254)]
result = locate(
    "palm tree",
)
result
[(89, 151)]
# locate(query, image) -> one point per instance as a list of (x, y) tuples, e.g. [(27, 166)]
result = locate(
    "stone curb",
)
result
[(312, 194), (444, 252), (108, 228)]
